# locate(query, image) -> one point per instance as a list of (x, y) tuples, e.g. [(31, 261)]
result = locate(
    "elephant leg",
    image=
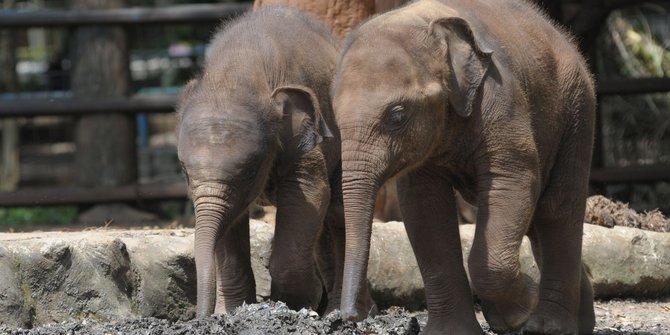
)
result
[(566, 297), (234, 278), (505, 209), (563, 280), (326, 260), (302, 202), (429, 210)]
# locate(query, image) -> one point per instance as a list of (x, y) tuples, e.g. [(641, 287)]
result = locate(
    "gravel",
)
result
[(613, 317)]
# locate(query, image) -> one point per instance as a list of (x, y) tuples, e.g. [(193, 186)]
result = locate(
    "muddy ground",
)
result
[(613, 317), (620, 317)]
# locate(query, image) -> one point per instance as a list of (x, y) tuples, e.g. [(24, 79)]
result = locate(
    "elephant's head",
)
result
[(229, 141), (400, 85)]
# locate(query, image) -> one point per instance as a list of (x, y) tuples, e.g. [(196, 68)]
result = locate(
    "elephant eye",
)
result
[(185, 173), (396, 117)]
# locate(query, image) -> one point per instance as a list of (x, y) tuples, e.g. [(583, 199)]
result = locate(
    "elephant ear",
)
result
[(303, 124), (468, 62)]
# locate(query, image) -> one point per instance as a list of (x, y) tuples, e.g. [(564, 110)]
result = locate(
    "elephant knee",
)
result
[(492, 276)]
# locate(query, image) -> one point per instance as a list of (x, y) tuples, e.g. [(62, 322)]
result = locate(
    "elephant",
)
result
[(340, 15), (258, 123), (489, 98)]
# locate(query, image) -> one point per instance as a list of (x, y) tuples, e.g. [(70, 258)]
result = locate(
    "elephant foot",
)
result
[(554, 317), (511, 312), (230, 298), (453, 325), (586, 324), (225, 306), (544, 321), (297, 301), (550, 318), (297, 290), (587, 315), (310, 299), (331, 306)]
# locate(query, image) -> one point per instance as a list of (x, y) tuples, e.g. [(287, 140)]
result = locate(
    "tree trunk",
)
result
[(106, 149)]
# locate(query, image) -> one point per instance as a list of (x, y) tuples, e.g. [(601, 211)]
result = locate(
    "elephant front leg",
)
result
[(429, 210), (506, 204), (234, 278), (301, 207)]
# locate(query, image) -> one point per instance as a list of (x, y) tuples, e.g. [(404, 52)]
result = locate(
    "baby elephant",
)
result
[(258, 121), (489, 98)]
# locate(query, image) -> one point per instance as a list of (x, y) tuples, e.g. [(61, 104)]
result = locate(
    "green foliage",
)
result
[(37, 215)]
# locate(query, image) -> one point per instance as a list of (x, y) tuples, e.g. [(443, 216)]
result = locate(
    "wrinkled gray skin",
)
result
[(259, 122), (487, 97)]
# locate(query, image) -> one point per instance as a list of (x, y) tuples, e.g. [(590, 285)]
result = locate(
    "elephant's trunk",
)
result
[(210, 214), (360, 183)]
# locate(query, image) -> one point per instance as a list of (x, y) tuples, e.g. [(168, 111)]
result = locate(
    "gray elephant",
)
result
[(257, 122), (490, 98)]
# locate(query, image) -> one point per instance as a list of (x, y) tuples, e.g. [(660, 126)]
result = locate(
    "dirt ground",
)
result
[(613, 317), (620, 317)]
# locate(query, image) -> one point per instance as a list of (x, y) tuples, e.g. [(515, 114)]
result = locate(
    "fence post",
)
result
[(9, 151), (106, 148)]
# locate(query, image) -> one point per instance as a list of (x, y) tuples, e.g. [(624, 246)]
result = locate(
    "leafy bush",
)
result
[(37, 215)]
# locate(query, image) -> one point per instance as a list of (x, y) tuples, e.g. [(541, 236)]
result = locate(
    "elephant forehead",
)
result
[(219, 131), (375, 85), (382, 74)]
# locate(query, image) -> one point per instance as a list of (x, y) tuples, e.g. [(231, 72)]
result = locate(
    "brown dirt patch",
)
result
[(609, 213)]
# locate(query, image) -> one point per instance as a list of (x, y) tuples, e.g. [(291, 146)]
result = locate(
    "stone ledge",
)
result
[(108, 274)]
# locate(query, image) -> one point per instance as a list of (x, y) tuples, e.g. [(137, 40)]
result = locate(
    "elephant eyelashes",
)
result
[(183, 171), (396, 117)]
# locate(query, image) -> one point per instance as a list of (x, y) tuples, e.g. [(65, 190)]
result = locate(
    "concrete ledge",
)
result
[(107, 274)]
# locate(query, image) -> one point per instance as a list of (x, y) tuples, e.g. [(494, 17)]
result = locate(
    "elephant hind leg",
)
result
[(566, 297), (587, 316), (557, 244)]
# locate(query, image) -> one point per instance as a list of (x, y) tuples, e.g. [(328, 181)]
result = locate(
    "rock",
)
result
[(625, 262), (115, 274), (394, 274), (14, 311)]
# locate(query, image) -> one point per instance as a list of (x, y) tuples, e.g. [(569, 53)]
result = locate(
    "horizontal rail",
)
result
[(177, 191), (123, 16), (633, 86), (631, 174), (159, 103), (165, 103), (69, 195)]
